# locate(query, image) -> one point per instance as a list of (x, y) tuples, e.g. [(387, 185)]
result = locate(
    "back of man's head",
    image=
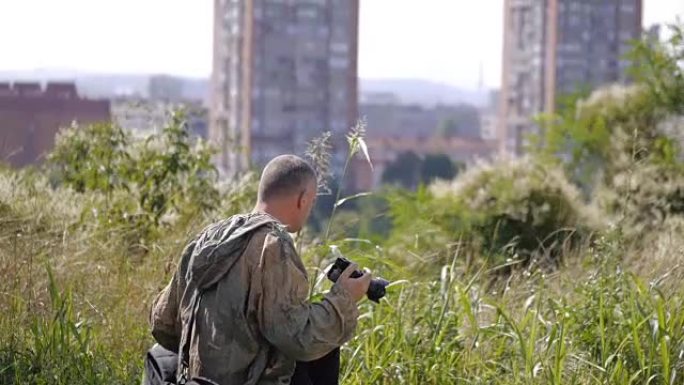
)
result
[(283, 176)]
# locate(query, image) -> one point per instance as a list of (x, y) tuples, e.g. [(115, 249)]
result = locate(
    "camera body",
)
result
[(376, 289)]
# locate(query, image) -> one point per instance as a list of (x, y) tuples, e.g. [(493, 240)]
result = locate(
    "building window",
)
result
[(341, 95), (307, 13), (342, 48), (338, 62), (626, 36)]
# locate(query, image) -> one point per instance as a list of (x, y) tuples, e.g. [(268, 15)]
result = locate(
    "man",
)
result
[(237, 309)]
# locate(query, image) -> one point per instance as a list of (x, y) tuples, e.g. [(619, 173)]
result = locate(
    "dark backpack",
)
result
[(160, 366)]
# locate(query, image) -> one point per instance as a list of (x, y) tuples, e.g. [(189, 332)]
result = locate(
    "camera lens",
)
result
[(376, 289)]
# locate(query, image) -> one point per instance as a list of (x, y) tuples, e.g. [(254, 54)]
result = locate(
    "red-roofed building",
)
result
[(31, 116)]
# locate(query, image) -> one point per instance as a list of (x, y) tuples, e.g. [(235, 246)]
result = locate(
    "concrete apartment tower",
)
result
[(284, 71), (556, 47)]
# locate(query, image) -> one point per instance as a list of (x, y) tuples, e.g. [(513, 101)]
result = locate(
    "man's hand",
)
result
[(356, 287)]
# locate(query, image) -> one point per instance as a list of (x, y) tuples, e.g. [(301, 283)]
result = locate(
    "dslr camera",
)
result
[(376, 289)]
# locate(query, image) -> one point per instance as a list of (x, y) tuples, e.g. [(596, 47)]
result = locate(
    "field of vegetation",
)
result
[(563, 267)]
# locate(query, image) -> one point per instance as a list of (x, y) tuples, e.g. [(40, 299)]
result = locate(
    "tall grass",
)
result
[(596, 322), (73, 297)]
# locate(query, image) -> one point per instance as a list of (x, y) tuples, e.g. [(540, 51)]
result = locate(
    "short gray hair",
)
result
[(285, 174)]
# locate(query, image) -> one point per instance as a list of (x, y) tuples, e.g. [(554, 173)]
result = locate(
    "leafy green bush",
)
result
[(142, 182), (92, 158), (173, 175), (519, 206)]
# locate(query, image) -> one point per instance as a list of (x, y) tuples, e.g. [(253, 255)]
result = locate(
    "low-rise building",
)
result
[(31, 116), (386, 119)]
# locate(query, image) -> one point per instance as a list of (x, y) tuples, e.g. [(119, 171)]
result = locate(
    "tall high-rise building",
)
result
[(284, 71), (557, 47)]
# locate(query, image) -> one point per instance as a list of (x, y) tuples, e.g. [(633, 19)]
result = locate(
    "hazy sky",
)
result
[(442, 40)]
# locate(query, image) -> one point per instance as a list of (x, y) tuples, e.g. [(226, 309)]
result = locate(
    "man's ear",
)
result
[(300, 200)]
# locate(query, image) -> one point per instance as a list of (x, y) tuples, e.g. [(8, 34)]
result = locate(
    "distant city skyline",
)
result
[(450, 41)]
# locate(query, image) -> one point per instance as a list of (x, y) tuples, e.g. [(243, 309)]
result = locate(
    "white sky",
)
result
[(441, 40)]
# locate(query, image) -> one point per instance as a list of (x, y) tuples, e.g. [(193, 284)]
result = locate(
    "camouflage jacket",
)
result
[(253, 319)]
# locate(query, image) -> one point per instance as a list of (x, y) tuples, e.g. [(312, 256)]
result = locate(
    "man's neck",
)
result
[(264, 208)]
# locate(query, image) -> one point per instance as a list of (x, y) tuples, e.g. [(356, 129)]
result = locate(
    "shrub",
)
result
[(644, 198), (141, 183), (520, 206), (92, 158)]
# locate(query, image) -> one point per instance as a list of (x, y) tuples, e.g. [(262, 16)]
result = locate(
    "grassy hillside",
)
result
[(75, 299)]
